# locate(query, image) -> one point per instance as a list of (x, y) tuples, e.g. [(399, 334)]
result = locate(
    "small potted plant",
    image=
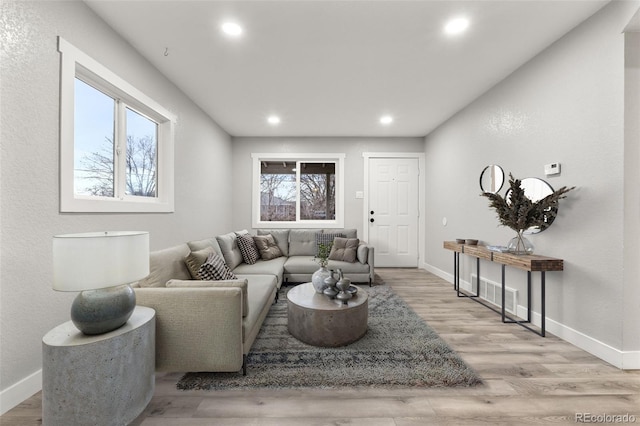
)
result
[(322, 259), (518, 212)]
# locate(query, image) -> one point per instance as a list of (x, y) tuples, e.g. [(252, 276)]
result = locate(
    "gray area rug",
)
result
[(399, 350)]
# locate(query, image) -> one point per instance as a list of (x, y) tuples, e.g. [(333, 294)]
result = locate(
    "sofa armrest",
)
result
[(197, 329), (362, 253), (242, 284)]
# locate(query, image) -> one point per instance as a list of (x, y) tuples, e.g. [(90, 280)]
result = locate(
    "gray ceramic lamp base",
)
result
[(103, 310)]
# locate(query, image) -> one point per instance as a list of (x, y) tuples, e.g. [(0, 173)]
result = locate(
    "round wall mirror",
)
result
[(536, 189), (491, 179)]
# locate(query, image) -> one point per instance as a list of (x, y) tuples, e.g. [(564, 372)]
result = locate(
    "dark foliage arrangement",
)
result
[(322, 258), (518, 212)]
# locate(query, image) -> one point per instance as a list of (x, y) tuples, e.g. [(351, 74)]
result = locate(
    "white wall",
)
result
[(29, 191), (631, 328), (565, 105), (354, 167)]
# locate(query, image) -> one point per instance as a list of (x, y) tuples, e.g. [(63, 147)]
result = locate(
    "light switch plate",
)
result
[(359, 194), (552, 169)]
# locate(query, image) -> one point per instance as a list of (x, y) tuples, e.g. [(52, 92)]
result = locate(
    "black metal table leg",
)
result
[(503, 294), (456, 269), (528, 296), (542, 303), (477, 277)]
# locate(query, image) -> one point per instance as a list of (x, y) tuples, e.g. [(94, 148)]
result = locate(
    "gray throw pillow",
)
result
[(344, 249), (267, 247), (195, 259)]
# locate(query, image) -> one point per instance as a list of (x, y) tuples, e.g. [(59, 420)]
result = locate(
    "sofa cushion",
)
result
[(348, 232), (348, 267), (207, 242), (230, 250), (241, 283), (166, 264), (215, 269), (300, 265), (260, 292), (273, 267), (195, 259), (267, 247), (326, 239), (281, 236), (344, 249), (302, 242), (248, 248)]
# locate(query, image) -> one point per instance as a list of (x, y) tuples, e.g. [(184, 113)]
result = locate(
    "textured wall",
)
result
[(565, 105), (354, 167), (29, 214)]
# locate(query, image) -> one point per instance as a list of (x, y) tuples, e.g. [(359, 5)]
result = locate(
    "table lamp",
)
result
[(100, 265)]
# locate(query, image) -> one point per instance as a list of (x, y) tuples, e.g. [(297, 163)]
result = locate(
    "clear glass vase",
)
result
[(519, 244)]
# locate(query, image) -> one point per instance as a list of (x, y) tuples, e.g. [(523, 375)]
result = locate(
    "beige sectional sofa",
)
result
[(211, 325)]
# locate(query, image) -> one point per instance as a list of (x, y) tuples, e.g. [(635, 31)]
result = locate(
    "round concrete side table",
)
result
[(319, 321), (107, 379)]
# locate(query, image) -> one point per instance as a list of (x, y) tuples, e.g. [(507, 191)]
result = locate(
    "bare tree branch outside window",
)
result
[(141, 170)]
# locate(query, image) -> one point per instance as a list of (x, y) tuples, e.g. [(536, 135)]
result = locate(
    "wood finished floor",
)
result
[(528, 380)]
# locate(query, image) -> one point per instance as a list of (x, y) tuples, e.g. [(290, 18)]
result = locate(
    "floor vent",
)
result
[(492, 293)]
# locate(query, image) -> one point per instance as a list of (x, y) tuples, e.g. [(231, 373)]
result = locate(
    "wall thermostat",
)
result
[(552, 169)]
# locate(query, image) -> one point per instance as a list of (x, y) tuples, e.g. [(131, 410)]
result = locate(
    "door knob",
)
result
[(371, 211), (372, 220)]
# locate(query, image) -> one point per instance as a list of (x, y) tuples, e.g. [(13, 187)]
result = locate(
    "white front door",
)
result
[(393, 211)]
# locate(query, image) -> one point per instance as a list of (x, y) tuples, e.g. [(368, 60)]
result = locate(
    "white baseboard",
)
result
[(626, 360), (17, 393)]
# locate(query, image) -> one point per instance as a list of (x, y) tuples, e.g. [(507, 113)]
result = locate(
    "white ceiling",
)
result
[(332, 68)]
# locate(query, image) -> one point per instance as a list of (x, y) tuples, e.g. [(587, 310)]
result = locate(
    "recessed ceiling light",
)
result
[(232, 29), (386, 119), (456, 26), (273, 119)]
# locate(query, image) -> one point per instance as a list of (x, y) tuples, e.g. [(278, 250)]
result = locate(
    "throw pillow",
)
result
[(344, 249), (248, 248), (281, 236), (326, 239), (215, 269), (195, 259), (267, 247)]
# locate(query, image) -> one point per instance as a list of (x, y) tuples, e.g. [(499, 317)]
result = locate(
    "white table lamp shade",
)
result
[(96, 260)]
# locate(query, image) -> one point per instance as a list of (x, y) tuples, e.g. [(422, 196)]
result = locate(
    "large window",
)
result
[(298, 190), (116, 143)]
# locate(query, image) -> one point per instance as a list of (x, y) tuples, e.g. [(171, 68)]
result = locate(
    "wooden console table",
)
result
[(530, 263)]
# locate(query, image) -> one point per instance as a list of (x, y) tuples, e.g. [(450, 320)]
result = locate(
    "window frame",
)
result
[(77, 64), (337, 158)]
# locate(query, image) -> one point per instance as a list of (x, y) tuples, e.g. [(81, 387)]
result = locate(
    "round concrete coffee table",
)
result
[(315, 319)]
